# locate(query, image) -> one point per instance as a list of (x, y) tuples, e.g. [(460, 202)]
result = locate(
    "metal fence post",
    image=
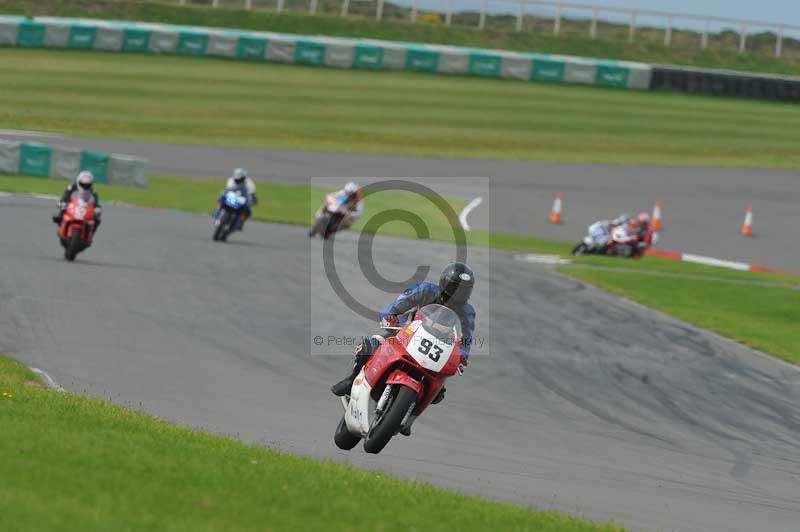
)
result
[(557, 23), (345, 7), (414, 11), (520, 14), (379, 11), (248, 4), (215, 3), (593, 27), (484, 9), (632, 31), (743, 38), (668, 33), (779, 42), (704, 38), (448, 18)]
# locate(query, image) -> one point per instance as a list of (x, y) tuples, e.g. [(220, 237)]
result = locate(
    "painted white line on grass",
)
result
[(23, 133), (44, 196), (5, 195), (468, 209), (553, 260), (710, 261), (48, 380)]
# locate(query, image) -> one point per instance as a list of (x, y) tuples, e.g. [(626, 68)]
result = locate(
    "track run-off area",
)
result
[(578, 401)]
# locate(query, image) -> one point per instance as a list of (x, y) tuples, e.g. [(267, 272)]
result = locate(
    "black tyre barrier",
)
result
[(725, 83)]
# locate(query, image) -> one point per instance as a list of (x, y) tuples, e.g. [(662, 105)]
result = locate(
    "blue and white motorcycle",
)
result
[(230, 214)]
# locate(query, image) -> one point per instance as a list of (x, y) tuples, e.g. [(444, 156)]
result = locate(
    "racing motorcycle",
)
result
[(401, 378), (329, 216), (77, 225), (228, 215), (625, 241)]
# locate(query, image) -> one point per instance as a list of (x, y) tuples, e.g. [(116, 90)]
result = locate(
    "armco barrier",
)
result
[(725, 83), (43, 160), (367, 54)]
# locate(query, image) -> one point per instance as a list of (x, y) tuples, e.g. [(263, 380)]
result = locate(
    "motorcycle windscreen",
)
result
[(84, 197), (436, 337)]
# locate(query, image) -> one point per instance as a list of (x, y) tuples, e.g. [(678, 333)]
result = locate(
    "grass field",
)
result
[(73, 463), (612, 41), (219, 102)]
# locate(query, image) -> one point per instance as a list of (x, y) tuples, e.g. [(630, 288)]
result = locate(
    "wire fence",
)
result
[(558, 18)]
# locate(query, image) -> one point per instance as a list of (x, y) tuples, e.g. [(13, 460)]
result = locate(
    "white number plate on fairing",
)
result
[(430, 352)]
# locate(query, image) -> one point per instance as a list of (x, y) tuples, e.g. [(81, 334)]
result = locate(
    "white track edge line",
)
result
[(48, 380), (468, 209)]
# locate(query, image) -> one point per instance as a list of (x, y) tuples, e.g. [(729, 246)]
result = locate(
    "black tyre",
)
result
[(73, 245), (319, 226), (221, 230), (580, 249), (333, 225), (343, 438), (389, 423)]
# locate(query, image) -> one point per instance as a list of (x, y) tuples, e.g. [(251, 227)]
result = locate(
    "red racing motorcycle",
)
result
[(77, 224), (400, 379)]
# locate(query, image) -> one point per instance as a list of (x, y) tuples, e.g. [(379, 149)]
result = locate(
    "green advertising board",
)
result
[(82, 37), (368, 57), (610, 75), (192, 43), (30, 34), (485, 64), (97, 164), (422, 60), (34, 159), (547, 69), (309, 52), (251, 47), (135, 40)]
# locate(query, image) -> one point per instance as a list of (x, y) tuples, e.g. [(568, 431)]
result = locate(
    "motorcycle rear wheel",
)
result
[(343, 438), (389, 424)]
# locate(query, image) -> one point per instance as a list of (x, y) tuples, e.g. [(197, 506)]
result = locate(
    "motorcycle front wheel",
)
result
[(389, 423), (73, 245), (221, 230), (580, 249)]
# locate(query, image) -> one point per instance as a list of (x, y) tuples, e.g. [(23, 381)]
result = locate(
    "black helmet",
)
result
[(456, 283)]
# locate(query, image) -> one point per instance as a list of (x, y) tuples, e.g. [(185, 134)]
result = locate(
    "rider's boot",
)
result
[(362, 353)]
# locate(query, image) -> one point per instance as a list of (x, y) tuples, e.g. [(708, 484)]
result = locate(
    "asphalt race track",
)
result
[(703, 207), (586, 403)]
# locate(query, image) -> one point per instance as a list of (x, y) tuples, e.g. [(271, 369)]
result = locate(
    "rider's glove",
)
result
[(390, 321)]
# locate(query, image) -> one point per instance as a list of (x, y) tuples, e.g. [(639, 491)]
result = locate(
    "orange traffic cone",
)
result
[(555, 213), (747, 228), (657, 224)]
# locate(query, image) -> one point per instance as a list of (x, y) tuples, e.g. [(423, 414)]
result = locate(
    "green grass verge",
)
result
[(764, 317), (612, 42), (222, 102), (69, 462)]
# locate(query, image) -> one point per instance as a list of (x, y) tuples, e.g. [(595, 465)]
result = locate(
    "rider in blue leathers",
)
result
[(241, 182), (453, 291)]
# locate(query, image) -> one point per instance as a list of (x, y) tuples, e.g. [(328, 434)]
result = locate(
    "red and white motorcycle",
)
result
[(401, 378)]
